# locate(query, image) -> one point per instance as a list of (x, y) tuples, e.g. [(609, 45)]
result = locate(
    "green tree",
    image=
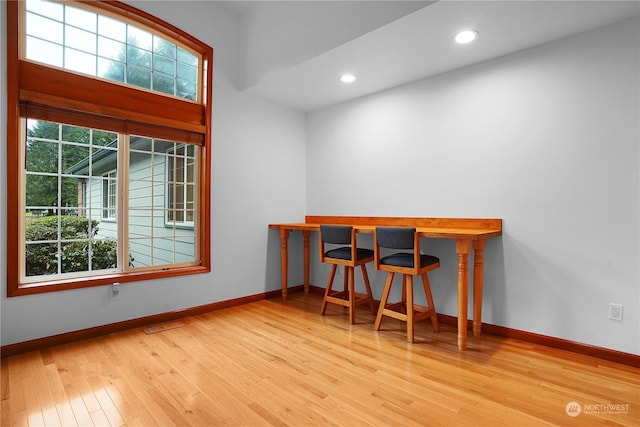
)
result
[(47, 155), (140, 62)]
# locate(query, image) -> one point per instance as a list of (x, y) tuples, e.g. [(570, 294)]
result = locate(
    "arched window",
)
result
[(108, 131)]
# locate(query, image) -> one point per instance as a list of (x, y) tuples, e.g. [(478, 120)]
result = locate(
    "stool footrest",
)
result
[(343, 298)]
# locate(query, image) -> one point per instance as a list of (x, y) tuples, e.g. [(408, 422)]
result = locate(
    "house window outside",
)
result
[(95, 44), (109, 195), (181, 186), (108, 126)]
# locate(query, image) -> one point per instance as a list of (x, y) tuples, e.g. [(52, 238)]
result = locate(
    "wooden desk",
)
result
[(467, 233)]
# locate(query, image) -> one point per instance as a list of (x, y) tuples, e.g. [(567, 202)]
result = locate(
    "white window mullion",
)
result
[(153, 183), (122, 206), (89, 222), (58, 198)]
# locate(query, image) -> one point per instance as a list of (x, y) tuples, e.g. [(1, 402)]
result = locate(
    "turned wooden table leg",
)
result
[(463, 247), (284, 260), (478, 255), (305, 235)]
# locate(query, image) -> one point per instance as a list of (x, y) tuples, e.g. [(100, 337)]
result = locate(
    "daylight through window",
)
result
[(95, 44), (108, 132)]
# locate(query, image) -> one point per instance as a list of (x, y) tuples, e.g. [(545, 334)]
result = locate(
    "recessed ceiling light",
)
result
[(466, 36), (347, 78)]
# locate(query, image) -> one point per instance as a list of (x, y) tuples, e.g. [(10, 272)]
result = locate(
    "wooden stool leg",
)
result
[(408, 279), (345, 281), (367, 286), (352, 294), (323, 308), (403, 297), (427, 292), (383, 301)]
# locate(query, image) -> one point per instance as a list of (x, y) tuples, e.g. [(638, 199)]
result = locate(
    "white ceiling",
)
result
[(389, 43)]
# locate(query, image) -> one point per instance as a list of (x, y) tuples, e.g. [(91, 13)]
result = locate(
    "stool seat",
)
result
[(407, 260), (345, 253)]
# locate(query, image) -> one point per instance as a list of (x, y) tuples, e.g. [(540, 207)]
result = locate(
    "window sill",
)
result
[(103, 280)]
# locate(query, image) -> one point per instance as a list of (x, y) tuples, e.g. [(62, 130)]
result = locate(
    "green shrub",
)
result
[(41, 258)]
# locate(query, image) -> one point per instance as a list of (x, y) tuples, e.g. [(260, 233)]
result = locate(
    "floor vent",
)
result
[(163, 327)]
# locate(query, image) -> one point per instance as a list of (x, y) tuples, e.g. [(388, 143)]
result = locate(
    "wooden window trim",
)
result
[(160, 112)]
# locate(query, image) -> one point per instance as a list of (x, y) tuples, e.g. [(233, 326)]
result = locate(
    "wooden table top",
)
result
[(453, 228)]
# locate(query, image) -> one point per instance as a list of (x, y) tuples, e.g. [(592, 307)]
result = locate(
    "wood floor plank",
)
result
[(275, 363)]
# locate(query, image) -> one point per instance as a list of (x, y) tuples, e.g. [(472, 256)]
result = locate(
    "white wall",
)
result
[(547, 139), (259, 177)]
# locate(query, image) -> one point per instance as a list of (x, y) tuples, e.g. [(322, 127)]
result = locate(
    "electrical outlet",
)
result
[(115, 291), (615, 311)]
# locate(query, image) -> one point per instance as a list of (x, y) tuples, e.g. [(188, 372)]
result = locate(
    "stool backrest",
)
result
[(336, 234), (395, 237)]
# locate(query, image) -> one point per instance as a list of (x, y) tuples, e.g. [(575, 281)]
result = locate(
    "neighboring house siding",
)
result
[(151, 240), (106, 229)]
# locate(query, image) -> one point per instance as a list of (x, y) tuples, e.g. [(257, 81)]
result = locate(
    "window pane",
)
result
[(186, 90), (42, 51), (104, 254), (111, 70), (163, 65), (163, 84), (45, 8), (99, 137), (185, 249), (69, 192), (139, 77), (89, 43), (162, 147), (164, 48), (139, 57), (80, 18), (66, 200), (79, 61), (139, 38), (80, 39), (73, 155), (104, 160), (42, 258), (44, 28), (111, 49), (42, 193), (190, 196), (74, 257), (156, 204), (111, 28), (140, 143), (42, 156), (75, 134), (187, 72), (187, 57)]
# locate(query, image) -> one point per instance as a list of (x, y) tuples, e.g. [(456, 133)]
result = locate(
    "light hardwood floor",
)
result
[(274, 363)]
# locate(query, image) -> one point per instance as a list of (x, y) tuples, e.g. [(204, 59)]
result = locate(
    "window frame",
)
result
[(60, 95)]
